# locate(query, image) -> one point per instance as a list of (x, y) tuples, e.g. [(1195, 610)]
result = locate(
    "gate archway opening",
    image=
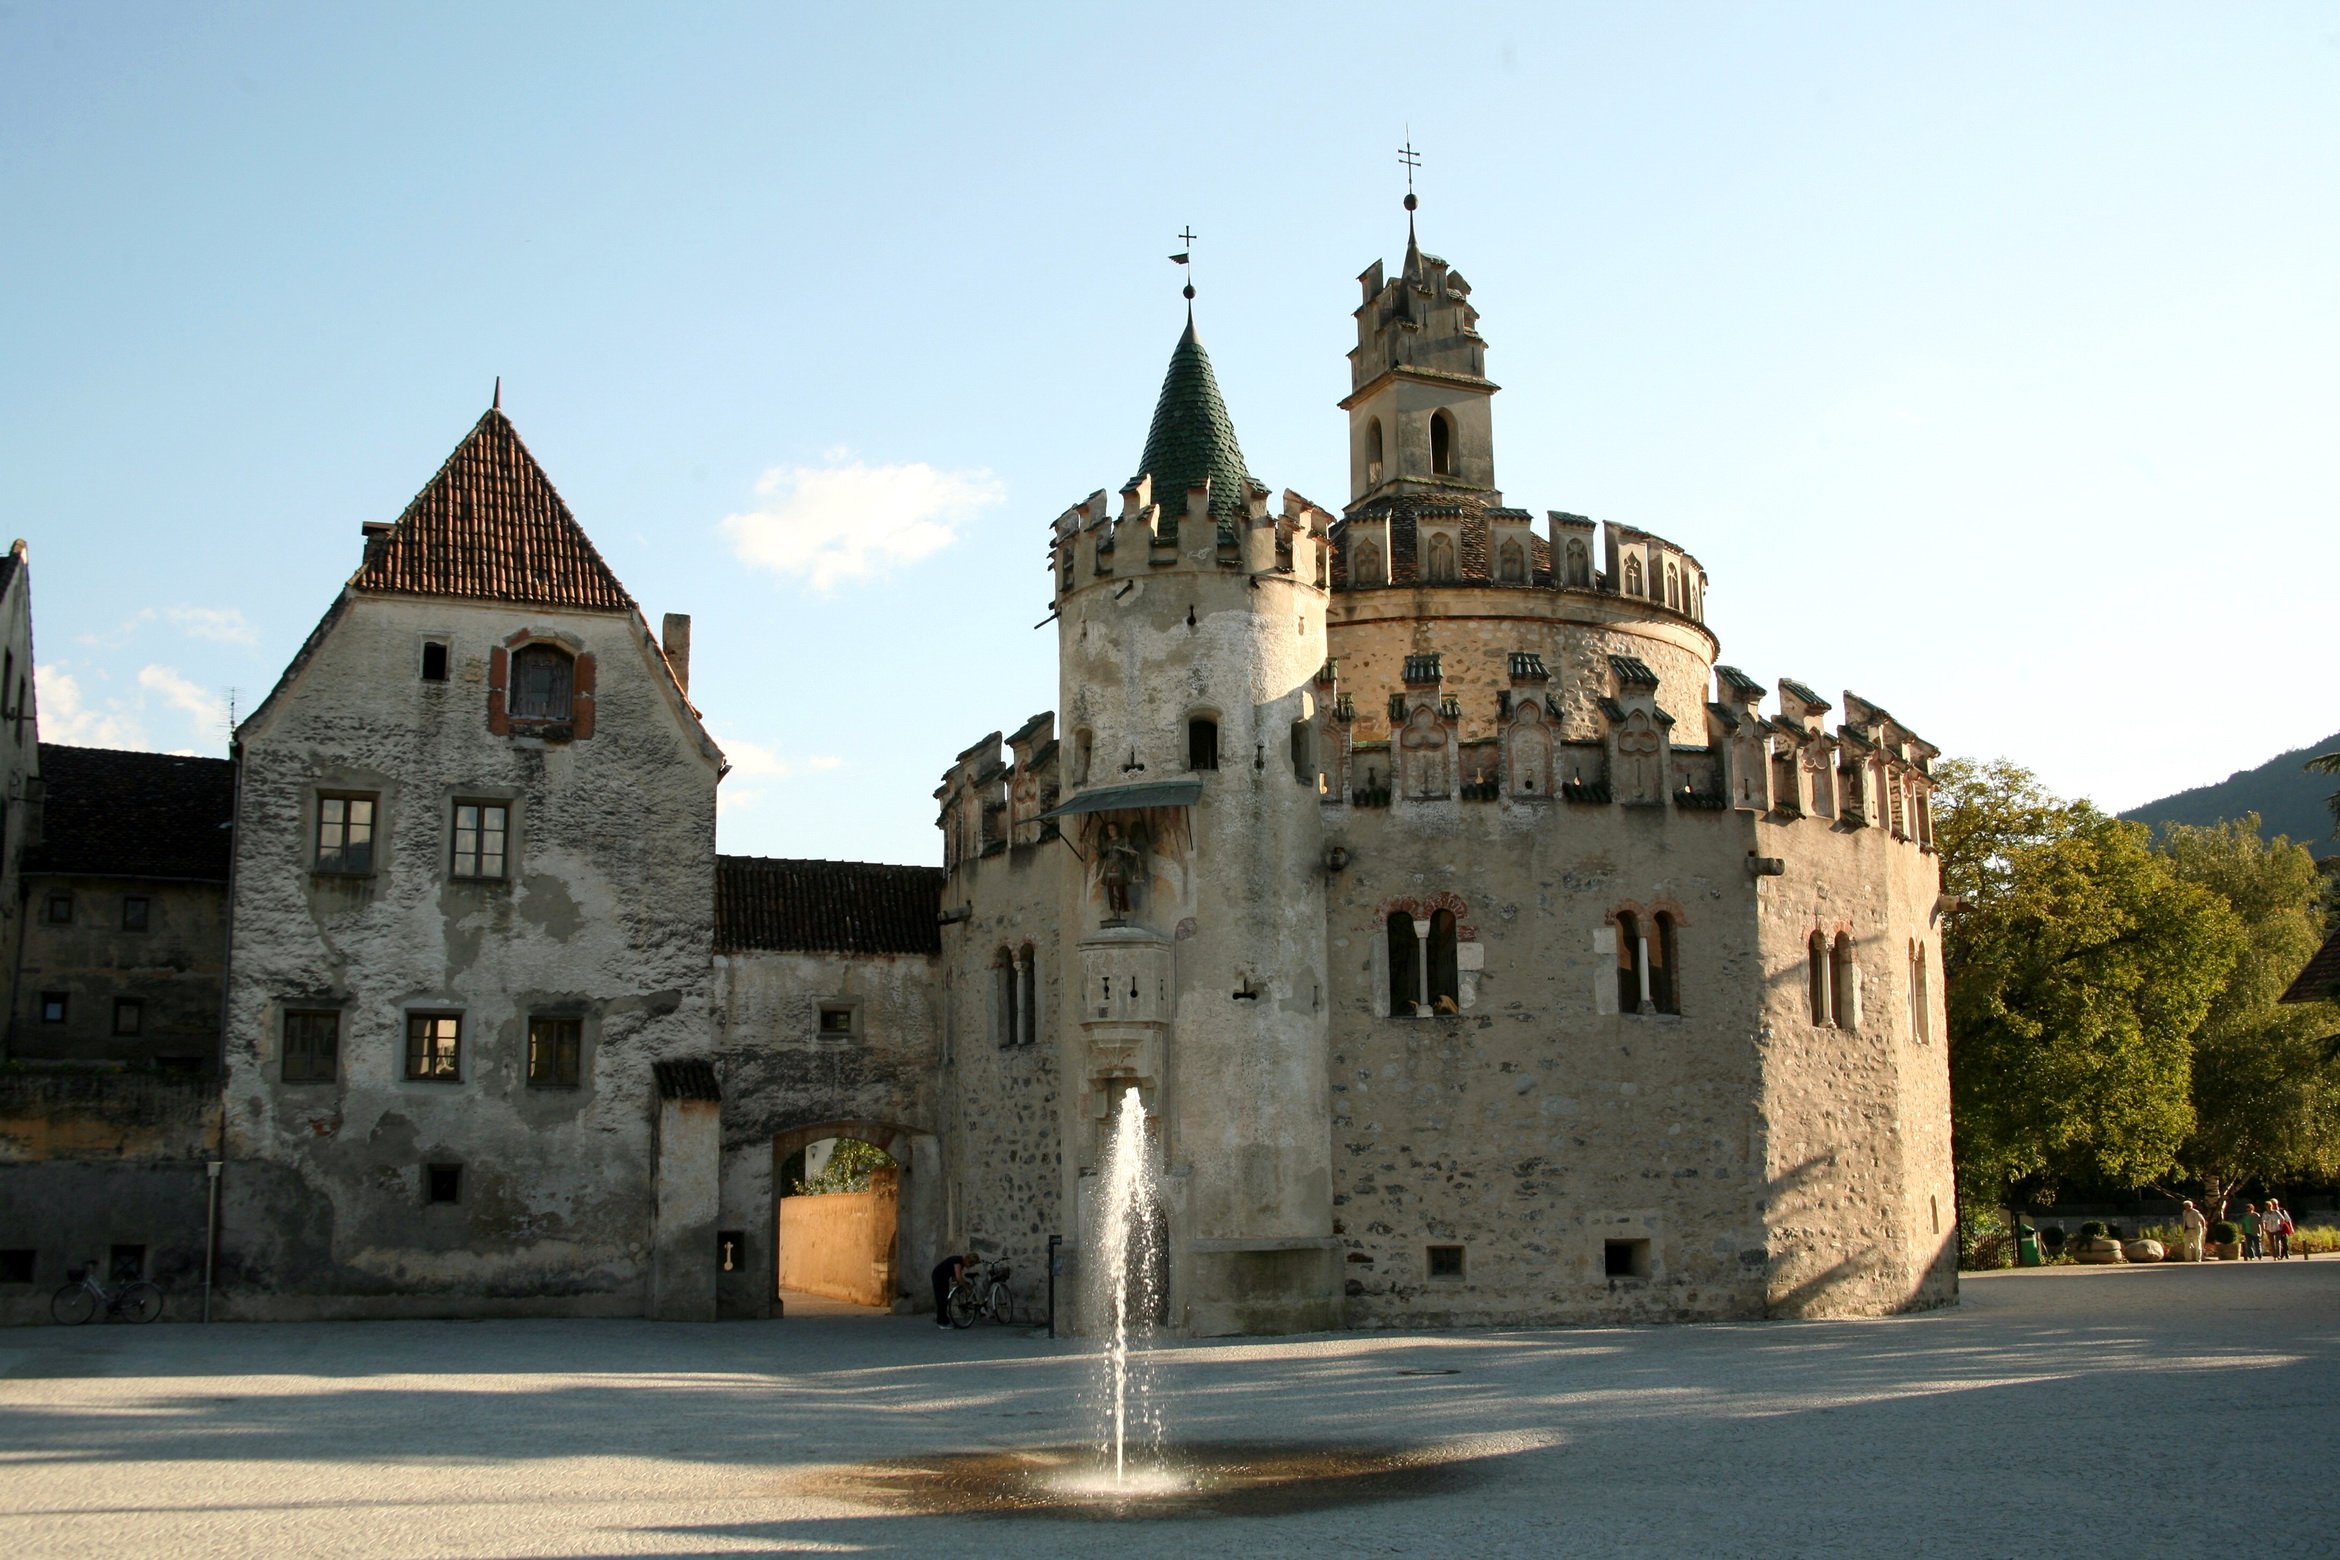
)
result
[(849, 1216)]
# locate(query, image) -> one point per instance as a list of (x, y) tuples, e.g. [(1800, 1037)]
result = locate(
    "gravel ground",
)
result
[(1968, 1432)]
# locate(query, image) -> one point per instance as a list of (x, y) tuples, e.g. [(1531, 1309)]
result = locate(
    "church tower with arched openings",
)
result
[(1419, 394)]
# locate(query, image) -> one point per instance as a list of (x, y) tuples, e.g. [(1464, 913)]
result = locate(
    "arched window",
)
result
[(1816, 973), (1921, 1013), (1003, 996), (1673, 587), (1365, 565), (1633, 577), (1441, 564), (1513, 570), (1373, 452), (1844, 982), (1632, 965), (1405, 960), (1202, 743), (1027, 995), (1441, 444), (1665, 976), (1579, 563), (1445, 983), (543, 680)]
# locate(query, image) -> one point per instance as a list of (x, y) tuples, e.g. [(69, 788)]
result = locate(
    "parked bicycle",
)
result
[(981, 1294), (82, 1299)]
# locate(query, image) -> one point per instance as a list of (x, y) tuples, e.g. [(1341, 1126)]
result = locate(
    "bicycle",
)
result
[(982, 1294), (79, 1300)]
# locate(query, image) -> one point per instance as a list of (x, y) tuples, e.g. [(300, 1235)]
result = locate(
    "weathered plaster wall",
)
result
[(843, 1244), (173, 968), (606, 917)]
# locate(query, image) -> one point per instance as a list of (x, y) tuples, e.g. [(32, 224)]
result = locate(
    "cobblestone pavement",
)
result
[(2146, 1411)]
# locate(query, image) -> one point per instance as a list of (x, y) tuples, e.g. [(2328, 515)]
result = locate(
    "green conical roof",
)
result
[(1191, 437)]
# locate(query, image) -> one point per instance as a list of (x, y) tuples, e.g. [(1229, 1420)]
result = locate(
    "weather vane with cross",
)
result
[(1412, 160), (1186, 256)]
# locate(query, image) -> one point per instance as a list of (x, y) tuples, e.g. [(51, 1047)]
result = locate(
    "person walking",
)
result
[(2196, 1229), (2250, 1227), (946, 1273), (2279, 1228)]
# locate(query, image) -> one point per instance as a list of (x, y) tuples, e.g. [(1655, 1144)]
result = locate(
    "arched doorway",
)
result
[(864, 1230)]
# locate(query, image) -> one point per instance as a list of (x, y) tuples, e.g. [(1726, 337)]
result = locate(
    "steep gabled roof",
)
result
[(2320, 981), (1192, 437), (763, 902), (113, 813), (490, 526)]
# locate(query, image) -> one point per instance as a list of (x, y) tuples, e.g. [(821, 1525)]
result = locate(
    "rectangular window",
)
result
[(443, 1183), (345, 833), (553, 1044), (434, 1043), (837, 1020), (1446, 1262), (133, 913), (53, 1007), (129, 1016), (479, 839), (434, 661), (1625, 1258), (312, 1047), (16, 1265), (60, 909)]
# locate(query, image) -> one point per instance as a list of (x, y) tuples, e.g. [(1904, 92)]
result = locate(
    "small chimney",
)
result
[(675, 635)]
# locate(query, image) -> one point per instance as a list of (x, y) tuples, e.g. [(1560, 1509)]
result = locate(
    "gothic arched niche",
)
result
[(1633, 577), (1529, 749), (1441, 444), (1365, 565), (1440, 566), (1424, 747), (1513, 567), (1373, 452), (1579, 563)]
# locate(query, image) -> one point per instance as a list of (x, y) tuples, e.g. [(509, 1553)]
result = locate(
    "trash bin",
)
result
[(2027, 1246)]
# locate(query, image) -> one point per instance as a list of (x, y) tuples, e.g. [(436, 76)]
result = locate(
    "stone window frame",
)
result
[(331, 1072), (1660, 921), (1446, 1263), (1196, 719), (137, 912), (1436, 935), (56, 1007), (583, 673), (567, 1048), (829, 1007), (129, 1018), (425, 643), (318, 865), (52, 899)]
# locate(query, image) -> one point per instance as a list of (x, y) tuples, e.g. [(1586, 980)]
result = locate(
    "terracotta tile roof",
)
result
[(112, 813), (826, 906), (2320, 981), (489, 525)]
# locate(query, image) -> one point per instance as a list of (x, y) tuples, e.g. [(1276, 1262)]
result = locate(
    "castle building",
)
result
[(1479, 948)]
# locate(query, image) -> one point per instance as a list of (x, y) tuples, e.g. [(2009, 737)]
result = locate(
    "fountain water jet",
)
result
[(1129, 1214)]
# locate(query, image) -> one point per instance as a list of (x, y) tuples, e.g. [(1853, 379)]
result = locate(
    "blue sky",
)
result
[(1984, 354)]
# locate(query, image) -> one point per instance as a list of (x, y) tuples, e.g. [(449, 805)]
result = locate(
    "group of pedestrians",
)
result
[(2266, 1232)]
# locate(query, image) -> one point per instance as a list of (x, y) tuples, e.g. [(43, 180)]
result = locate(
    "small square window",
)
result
[(434, 660), (129, 1016), (54, 1006), (16, 1265), (125, 1264), (434, 1043), (60, 909), (480, 832), (1446, 1262), (312, 1047), (553, 1044), (133, 913), (837, 1019), (443, 1183), (345, 834), (1625, 1258)]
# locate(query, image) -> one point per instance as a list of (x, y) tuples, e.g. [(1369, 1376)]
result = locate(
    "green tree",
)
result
[(2077, 973), (2266, 1080), (850, 1163), (2328, 764)]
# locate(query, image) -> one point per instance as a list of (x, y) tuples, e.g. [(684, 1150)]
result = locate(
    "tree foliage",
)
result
[(850, 1163), (2328, 764), (2266, 1088), (2077, 975)]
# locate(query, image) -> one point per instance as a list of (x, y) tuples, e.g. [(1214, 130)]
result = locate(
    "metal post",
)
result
[(211, 1236), (1054, 1241)]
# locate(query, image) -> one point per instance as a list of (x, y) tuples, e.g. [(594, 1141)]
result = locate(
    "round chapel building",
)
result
[(1483, 949)]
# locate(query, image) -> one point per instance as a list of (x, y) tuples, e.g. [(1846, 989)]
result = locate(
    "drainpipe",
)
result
[(1054, 1241), (211, 1235)]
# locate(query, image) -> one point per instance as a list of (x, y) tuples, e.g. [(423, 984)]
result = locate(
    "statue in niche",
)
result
[(1121, 864), (1424, 743)]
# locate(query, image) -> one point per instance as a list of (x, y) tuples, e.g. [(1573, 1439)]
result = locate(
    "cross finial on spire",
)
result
[(1186, 257), (497, 404), (1412, 160)]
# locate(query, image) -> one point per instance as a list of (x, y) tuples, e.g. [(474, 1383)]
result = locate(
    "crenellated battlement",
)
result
[(1093, 543), (988, 803)]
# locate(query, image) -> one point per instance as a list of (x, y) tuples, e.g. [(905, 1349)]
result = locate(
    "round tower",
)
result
[(1191, 634)]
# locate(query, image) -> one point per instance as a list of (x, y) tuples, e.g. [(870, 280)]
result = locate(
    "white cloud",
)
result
[(852, 521), (225, 624), (65, 715), (73, 710), (753, 761)]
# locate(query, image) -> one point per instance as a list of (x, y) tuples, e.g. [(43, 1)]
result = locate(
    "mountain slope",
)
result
[(2288, 800)]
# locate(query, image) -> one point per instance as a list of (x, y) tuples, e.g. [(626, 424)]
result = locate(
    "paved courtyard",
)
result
[(2148, 1411)]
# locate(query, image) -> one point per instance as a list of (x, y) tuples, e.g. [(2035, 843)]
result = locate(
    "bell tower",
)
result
[(1418, 389)]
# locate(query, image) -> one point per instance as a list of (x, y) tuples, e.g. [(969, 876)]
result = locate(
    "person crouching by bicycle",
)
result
[(947, 1272)]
